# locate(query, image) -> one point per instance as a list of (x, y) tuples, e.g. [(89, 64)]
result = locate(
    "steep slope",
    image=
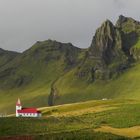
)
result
[(31, 74), (6, 56), (52, 73), (105, 55), (108, 67), (130, 32), (35, 63), (124, 86)]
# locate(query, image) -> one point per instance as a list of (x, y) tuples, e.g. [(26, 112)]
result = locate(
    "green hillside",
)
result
[(31, 74), (124, 86), (69, 90), (123, 83), (52, 73), (111, 119), (6, 56)]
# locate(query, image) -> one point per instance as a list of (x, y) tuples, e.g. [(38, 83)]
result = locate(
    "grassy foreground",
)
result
[(76, 121), (126, 86)]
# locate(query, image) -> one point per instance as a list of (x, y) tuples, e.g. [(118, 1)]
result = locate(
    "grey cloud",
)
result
[(119, 3), (23, 22)]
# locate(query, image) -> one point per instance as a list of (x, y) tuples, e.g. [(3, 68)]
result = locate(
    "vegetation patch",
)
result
[(131, 132)]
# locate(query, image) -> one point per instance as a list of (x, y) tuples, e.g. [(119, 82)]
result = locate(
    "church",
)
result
[(26, 112)]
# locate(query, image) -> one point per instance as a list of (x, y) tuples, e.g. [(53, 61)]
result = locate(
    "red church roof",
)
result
[(28, 110), (18, 102)]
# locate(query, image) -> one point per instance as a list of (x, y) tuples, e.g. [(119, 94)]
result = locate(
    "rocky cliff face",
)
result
[(105, 55), (127, 24), (113, 49), (130, 32), (107, 44)]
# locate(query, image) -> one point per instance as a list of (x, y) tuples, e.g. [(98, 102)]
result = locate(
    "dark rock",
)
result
[(121, 20), (107, 43), (105, 55)]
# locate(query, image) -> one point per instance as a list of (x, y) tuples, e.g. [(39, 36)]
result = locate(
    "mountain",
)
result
[(105, 54), (130, 29), (30, 75), (52, 73), (6, 56), (108, 67), (37, 63)]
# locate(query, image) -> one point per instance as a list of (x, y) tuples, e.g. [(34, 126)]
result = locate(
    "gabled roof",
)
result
[(18, 102), (28, 110)]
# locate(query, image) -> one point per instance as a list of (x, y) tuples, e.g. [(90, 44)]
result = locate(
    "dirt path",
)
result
[(84, 111), (131, 132)]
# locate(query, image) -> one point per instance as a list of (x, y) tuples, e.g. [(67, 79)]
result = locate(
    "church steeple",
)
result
[(18, 107), (18, 102)]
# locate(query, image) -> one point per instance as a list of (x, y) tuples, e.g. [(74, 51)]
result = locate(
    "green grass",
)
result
[(81, 135), (81, 126), (47, 62), (62, 109), (35, 94), (137, 46), (125, 86), (122, 114), (130, 25), (44, 63), (136, 49), (41, 66)]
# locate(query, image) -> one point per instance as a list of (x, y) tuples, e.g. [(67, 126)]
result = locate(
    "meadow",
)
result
[(78, 121)]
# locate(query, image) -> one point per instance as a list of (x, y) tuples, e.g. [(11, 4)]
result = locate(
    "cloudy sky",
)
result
[(23, 22)]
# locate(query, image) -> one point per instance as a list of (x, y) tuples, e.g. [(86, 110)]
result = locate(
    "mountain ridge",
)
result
[(52, 72)]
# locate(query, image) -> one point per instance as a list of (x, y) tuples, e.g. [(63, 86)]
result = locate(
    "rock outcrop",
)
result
[(105, 55)]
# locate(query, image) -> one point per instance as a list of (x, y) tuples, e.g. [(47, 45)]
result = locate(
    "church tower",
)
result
[(18, 107)]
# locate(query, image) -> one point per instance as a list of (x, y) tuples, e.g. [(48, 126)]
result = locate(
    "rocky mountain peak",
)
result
[(121, 20), (126, 20), (106, 42), (107, 23)]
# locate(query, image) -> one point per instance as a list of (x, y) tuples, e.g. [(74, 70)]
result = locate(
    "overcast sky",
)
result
[(23, 22)]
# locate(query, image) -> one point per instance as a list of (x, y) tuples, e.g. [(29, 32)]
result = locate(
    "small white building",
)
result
[(26, 112), (104, 99)]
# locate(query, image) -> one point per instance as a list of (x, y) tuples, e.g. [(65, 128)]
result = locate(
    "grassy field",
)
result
[(69, 90), (31, 74), (79, 121), (131, 131), (126, 86)]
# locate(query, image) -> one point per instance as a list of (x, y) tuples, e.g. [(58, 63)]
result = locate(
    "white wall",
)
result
[(29, 115)]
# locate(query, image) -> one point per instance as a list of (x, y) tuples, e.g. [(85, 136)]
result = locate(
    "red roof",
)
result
[(18, 102), (28, 110)]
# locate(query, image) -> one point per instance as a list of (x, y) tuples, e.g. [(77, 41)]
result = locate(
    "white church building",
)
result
[(26, 112)]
